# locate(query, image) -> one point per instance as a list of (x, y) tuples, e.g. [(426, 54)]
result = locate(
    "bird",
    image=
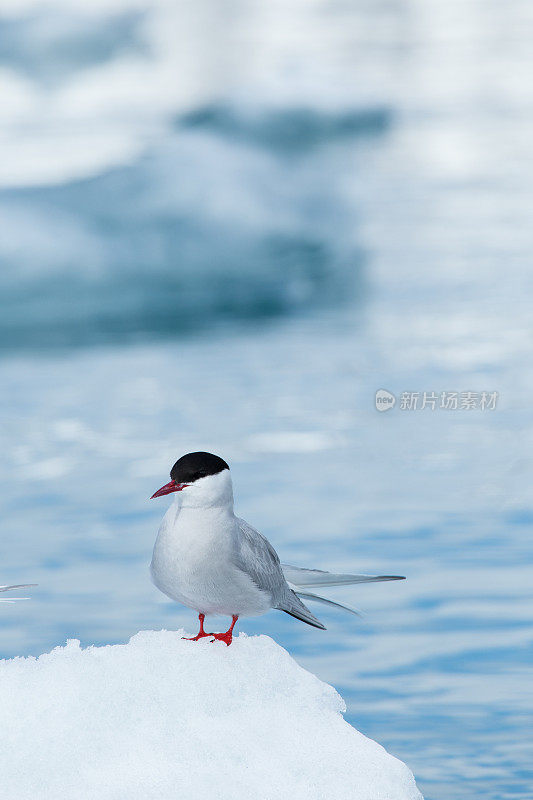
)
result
[(210, 560), (15, 586)]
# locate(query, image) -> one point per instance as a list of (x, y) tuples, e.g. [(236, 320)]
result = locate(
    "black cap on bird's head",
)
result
[(189, 468)]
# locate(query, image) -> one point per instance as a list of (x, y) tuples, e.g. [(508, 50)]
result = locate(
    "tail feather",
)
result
[(316, 598), (293, 605), (317, 577)]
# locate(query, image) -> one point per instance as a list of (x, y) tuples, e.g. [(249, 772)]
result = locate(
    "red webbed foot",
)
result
[(228, 635), (201, 633)]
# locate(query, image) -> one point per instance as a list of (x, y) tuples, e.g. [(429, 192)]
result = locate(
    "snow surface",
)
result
[(161, 717)]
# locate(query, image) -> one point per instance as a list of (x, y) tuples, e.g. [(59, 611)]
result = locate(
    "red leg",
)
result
[(201, 633), (228, 636)]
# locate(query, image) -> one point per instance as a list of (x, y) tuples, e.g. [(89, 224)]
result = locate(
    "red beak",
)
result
[(168, 488)]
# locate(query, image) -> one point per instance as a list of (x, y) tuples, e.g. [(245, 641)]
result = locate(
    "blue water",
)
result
[(237, 262)]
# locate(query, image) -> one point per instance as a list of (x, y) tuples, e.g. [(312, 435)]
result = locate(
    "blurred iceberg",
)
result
[(198, 230), (151, 186)]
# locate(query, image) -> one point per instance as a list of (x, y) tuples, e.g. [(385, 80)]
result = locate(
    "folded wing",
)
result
[(288, 584), (255, 556)]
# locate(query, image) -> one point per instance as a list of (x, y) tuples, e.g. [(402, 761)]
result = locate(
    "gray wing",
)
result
[(255, 556), (15, 586)]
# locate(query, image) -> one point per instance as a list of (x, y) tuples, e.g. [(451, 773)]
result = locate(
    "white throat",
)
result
[(213, 490)]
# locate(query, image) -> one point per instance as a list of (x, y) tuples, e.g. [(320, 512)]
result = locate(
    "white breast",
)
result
[(192, 563)]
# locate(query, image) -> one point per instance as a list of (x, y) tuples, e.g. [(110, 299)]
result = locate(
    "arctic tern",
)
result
[(212, 561), (16, 586)]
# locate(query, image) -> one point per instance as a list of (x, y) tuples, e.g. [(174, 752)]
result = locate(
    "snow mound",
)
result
[(165, 718)]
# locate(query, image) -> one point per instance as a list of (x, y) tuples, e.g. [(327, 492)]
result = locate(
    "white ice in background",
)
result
[(161, 717)]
